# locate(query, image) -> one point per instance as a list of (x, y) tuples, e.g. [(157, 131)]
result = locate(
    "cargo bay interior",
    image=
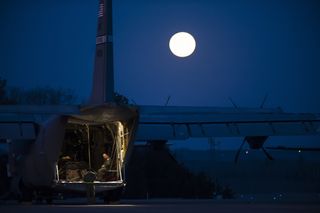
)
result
[(93, 152)]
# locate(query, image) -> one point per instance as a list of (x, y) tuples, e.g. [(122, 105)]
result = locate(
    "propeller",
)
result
[(239, 150), (255, 142), (264, 100), (267, 154)]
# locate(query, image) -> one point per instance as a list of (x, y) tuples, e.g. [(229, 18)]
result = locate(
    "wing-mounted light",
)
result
[(295, 149)]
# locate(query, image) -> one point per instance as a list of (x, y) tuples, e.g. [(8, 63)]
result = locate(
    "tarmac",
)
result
[(161, 205)]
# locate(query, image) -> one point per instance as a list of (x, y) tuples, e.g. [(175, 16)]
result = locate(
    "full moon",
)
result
[(182, 44)]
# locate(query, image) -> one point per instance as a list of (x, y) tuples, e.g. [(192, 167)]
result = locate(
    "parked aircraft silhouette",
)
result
[(85, 148)]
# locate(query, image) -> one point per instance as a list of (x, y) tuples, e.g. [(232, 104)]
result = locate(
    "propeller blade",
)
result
[(267, 154), (239, 150), (264, 100)]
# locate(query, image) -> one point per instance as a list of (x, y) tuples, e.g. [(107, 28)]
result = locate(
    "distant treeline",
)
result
[(39, 95), (44, 96), (290, 172)]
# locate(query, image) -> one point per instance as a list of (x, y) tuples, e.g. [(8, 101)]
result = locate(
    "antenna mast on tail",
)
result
[(103, 78)]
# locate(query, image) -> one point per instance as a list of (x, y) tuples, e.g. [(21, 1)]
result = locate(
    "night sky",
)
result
[(245, 49)]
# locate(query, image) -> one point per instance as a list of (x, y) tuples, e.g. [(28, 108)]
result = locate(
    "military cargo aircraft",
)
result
[(84, 148)]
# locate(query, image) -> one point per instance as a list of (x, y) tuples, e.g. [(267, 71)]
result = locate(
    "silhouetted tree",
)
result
[(39, 95), (121, 99), (153, 172), (227, 193), (4, 98), (49, 95), (3, 84)]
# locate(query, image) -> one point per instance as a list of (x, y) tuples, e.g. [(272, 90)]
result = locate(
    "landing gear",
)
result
[(43, 195), (38, 196), (112, 196), (25, 194), (109, 197), (4, 179)]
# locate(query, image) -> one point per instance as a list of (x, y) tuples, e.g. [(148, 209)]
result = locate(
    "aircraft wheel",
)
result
[(49, 200), (38, 200), (113, 196), (4, 179), (26, 195)]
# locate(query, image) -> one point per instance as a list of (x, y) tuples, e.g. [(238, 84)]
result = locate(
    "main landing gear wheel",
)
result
[(112, 196)]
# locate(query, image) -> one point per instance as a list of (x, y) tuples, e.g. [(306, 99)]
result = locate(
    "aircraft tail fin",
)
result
[(103, 77)]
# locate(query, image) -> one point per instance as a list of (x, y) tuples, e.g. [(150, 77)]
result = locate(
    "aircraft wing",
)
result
[(178, 123), (21, 121), (173, 123)]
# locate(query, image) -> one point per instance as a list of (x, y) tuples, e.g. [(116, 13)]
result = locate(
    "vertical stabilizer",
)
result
[(103, 80)]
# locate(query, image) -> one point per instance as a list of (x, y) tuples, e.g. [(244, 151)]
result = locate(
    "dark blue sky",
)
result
[(245, 49)]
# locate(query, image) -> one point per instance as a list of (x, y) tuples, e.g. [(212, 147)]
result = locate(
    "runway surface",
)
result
[(167, 206)]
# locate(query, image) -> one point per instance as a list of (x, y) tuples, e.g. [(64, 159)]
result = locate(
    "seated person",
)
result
[(102, 172)]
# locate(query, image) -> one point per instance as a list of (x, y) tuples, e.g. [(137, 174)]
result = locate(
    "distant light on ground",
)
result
[(182, 44)]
